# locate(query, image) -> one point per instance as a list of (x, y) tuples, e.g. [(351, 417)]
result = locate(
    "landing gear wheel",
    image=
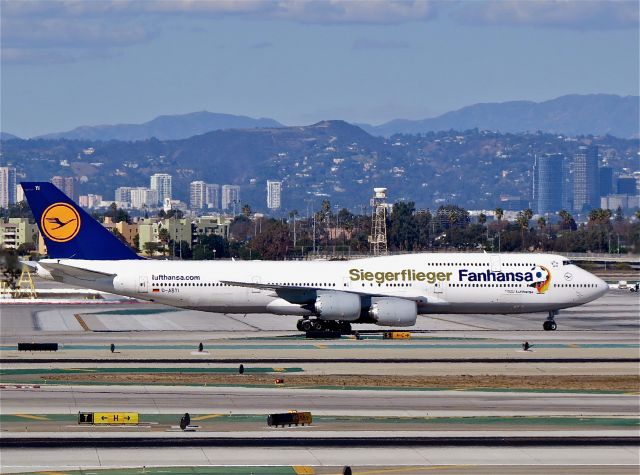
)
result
[(317, 325), (305, 325), (549, 325), (299, 325), (345, 328)]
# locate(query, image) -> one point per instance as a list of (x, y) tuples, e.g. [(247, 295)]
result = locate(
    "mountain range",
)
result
[(574, 114), (164, 127)]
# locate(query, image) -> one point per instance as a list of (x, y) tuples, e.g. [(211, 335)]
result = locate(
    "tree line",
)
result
[(343, 233)]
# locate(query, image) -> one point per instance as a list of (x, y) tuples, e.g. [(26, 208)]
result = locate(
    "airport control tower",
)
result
[(378, 238)]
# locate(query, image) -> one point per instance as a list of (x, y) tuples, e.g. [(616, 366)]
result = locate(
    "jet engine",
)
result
[(331, 305), (393, 312)]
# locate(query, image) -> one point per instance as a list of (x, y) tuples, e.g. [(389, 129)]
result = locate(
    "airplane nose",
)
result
[(601, 287)]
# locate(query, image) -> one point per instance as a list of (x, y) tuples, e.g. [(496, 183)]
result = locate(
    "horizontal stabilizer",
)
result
[(58, 270)]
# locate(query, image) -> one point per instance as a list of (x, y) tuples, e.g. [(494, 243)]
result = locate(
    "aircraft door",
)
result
[(496, 264), (143, 284)]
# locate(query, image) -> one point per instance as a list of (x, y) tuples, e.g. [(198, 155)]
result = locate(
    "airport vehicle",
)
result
[(329, 295)]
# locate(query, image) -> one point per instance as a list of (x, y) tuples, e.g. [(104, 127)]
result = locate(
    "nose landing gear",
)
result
[(550, 323)]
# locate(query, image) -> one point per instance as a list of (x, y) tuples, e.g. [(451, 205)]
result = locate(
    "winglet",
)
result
[(69, 232)]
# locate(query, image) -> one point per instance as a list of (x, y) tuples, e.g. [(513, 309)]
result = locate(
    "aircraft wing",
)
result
[(301, 295), (63, 270)]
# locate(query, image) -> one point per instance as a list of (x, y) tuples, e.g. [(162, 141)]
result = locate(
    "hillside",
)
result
[(166, 127), (330, 159), (7, 136), (595, 114)]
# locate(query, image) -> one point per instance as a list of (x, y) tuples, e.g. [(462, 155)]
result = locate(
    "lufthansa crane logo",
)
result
[(60, 222)]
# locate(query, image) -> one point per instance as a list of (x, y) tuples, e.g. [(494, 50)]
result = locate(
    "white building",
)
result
[(144, 198), (123, 194), (212, 196), (7, 186), (230, 196), (197, 194), (161, 182), (169, 205), (90, 200), (274, 190)]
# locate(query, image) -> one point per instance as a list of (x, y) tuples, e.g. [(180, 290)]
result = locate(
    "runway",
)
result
[(403, 461), (599, 339), (176, 400)]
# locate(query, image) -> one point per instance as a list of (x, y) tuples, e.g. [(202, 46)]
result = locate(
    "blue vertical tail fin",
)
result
[(69, 232)]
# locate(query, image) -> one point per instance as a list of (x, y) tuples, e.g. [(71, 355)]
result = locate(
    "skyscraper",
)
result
[(161, 182), (606, 181), (212, 196), (230, 196), (626, 185), (7, 186), (274, 190), (547, 182), (586, 180), (65, 184), (197, 194)]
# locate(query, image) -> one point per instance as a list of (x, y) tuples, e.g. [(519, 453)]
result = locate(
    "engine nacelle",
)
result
[(393, 312), (331, 305)]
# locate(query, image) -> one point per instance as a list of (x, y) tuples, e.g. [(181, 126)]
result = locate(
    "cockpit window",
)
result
[(567, 263)]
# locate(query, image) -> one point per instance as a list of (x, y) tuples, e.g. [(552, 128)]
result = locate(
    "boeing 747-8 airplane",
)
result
[(386, 291)]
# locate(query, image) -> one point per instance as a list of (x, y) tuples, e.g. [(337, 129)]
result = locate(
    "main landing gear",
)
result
[(307, 325), (550, 323)]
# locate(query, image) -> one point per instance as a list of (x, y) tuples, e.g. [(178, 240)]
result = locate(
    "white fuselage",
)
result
[(438, 283)]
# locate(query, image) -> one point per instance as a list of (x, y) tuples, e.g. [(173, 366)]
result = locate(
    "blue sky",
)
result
[(72, 63)]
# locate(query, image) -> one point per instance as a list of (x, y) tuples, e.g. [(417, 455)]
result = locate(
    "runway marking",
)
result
[(82, 323), (303, 470), (84, 370), (206, 416), (35, 418), (279, 370), (322, 347), (414, 469), (54, 473), (573, 345)]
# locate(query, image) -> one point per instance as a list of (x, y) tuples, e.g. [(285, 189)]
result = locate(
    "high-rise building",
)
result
[(65, 184), (586, 180), (567, 184), (626, 185), (197, 194), (7, 186), (144, 198), (547, 183), (123, 194), (90, 200), (212, 196), (274, 191), (606, 181), (230, 196), (161, 182)]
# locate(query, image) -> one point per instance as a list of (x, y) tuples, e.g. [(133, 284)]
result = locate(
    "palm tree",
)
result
[(542, 223), (566, 218), (499, 213)]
